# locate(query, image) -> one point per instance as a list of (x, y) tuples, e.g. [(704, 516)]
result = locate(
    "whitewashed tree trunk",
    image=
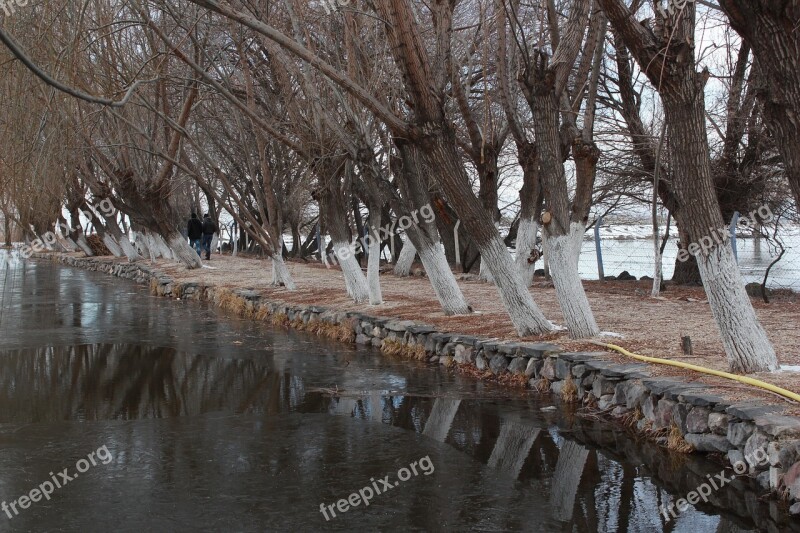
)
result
[(161, 247), (526, 243), (373, 271), (214, 242), (564, 251), (746, 343), (83, 244), (111, 244), (442, 280), (128, 248), (526, 316), (182, 252), (354, 280), (280, 273), (406, 259), (545, 259), (485, 274)]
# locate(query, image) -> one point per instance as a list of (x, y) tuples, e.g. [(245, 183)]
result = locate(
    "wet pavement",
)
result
[(170, 416)]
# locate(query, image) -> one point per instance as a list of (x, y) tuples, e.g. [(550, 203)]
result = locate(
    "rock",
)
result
[(707, 443), (376, 342), (778, 425), (619, 411), (579, 371), (788, 454), (530, 369), (605, 401), (755, 451), (446, 360), (363, 339), (680, 412), (739, 432), (775, 477), (645, 278), (763, 480), (518, 365), (635, 394), (663, 413), (464, 354), (434, 359), (480, 363), (556, 387), (498, 364), (697, 420), (603, 386), (795, 509), (792, 480), (648, 408), (736, 457), (562, 369), (718, 423), (625, 276), (548, 369), (754, 289)]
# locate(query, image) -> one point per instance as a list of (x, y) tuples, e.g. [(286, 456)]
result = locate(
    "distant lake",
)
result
[(636, 256)]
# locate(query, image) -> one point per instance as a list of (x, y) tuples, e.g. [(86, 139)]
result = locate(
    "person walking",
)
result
[(209, 229), (195, 233)]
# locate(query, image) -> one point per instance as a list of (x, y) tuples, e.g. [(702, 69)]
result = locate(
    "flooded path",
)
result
[(169, 416)]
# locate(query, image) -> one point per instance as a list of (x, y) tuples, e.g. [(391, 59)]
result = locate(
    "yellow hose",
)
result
[(742, 379)]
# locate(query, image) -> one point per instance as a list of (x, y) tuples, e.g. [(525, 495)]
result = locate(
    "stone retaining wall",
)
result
[(682, 416)]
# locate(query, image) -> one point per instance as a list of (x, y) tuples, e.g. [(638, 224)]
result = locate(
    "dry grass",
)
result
[(542, 385), (280, 319), (396, 348), (631, 418), (569, 391), (676, 442)]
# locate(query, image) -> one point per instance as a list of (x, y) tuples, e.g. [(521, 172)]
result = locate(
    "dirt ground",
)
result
[(649, 326)]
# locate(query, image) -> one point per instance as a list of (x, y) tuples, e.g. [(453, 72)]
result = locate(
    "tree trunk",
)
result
[(745, 341), (531, 200), (667, 58), (280, 273), (181, 251), (564, 233), (526, 316), (407, 254)]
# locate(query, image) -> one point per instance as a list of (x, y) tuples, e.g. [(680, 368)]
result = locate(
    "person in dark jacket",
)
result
[(209, 229), (195, 233)]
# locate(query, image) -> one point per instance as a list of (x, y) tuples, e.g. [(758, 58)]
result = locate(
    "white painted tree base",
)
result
[(373, 272), (526, 316), (443, 281), (354, 281), (563, 251), (406, 258), (526, 243), (746, 343), (280, 273), (183, 253)]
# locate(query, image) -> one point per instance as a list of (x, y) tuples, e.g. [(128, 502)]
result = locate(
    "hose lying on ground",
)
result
[(741, 379)]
